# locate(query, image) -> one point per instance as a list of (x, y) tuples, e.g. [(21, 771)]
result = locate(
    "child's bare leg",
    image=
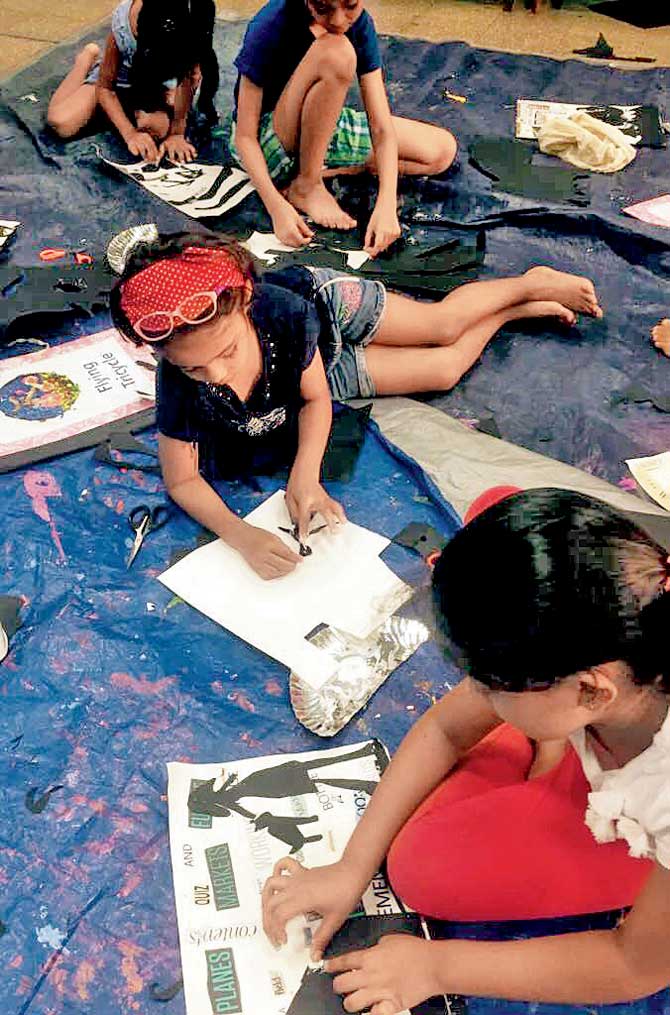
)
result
[(305, 119), (408, 322), (408, 370), (423, 148), (73, 103)]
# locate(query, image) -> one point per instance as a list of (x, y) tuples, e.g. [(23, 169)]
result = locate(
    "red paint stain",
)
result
[(249, 740), (140, 684), (217, 686), (16, 962), (240, 698), (273, 687), (134, 983), (132, 880), (82, 978)]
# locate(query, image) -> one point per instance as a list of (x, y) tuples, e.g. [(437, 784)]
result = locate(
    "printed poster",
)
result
[(58, 393), (653, 475), (229, 824)]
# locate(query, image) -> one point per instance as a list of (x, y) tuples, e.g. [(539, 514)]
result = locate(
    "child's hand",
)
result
[(266, 553), (383, 229), (305, 498), (177, 148), (398, 973), (142, 144), (290, 227), (332, 891)]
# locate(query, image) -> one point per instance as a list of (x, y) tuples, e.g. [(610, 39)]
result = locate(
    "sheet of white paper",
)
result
[(357, 258), (220, 864), (531, 114), (341, 583), (653, 475), (7, 229)]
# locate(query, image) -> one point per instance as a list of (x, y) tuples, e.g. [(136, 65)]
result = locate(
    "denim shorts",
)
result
[(353, 307)]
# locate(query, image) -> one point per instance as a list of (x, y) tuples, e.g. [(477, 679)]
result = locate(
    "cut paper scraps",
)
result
[(653, 475), (343, 584), (196, 189), (656, 211), (57, 394), (7, 230), (229, 825)]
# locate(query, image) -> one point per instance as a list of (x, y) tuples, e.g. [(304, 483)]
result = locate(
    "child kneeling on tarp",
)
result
[(248, 366), (539, 787)]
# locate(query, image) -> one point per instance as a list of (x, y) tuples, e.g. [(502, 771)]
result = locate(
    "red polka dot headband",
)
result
[(163, 285)]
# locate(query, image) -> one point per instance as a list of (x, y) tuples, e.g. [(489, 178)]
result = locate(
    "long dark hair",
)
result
[(173, 36), (549, 583), (172, 245)]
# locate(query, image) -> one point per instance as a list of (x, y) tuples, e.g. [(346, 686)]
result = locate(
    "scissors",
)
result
[(303, 549), (142, 519)]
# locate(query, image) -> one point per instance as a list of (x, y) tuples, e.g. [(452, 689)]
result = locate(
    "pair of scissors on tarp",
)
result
[(142, 520)]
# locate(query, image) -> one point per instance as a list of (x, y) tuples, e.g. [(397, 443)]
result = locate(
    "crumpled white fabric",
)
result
[(633, 802), (586, 142)]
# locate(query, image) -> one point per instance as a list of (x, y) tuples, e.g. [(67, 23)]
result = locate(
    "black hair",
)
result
[(548, 583), (172, 245), (173, 37)]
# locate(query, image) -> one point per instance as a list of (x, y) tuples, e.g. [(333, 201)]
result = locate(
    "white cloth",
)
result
[(633, 802), (586, 142)]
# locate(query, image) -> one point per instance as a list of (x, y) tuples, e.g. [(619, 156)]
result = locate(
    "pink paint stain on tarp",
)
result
[(40, 486)]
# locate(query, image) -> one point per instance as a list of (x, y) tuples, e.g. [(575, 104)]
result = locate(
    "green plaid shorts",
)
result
[(350, 145)]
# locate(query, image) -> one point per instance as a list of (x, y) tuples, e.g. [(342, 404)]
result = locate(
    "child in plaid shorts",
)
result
[(292, 129)]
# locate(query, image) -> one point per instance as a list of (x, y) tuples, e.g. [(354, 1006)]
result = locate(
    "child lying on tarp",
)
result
[(158, 55), (539, 787), (248, 367)]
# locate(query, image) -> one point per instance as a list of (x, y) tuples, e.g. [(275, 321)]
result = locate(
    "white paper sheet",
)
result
[(220, 864), (342, 583), (266, 246), (653, 475), (531, 114)]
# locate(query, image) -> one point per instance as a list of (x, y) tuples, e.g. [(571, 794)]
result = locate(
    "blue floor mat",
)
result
[(108, 680)]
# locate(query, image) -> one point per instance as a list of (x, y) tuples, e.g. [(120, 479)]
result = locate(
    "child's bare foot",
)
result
[(572, 291), (547, 754), (317, 202), (660, 336), (89, 54), (543, 308)]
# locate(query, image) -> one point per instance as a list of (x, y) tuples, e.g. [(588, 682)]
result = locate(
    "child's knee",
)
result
[(443, 151), (336, 57), (62, 124), (450, 370)]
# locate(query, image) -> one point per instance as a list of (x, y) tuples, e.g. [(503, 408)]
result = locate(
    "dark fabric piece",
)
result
[(278, 38), (241, 438), (603, 51), (641, 13), (510, 165), (53, 289)]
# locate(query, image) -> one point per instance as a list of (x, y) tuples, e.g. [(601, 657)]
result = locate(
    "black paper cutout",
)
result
[(52, 289), (37, 804), (509, 164), (422, 538), (158, 993), (123, 440), (10, 619)]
